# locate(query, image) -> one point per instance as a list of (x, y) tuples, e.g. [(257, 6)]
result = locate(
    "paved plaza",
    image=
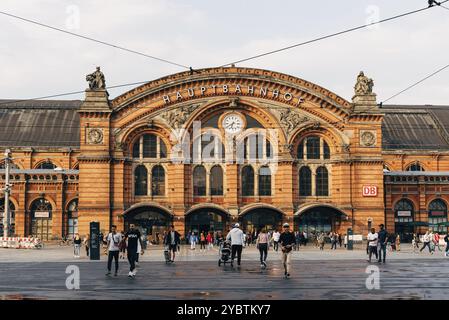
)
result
[(340, 274)]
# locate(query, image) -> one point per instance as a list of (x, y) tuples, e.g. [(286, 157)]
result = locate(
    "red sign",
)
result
[(369, 191)]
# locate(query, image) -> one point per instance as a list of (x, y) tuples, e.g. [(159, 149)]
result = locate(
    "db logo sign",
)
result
[(370, 191)]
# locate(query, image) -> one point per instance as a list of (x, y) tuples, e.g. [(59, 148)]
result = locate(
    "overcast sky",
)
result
[(36, 61)]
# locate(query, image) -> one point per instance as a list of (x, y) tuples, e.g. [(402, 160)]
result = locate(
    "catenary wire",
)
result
[(94, 40), (329, 35)]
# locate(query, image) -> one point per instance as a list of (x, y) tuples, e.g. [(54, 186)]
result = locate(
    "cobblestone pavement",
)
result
[(341, 274)]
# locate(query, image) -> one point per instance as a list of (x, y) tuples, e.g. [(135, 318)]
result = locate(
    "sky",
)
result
[(36, 61)]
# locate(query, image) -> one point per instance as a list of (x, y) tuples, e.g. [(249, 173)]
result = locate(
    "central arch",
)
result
[(253, 219), (151, 220), (319, 218), (205, 219)]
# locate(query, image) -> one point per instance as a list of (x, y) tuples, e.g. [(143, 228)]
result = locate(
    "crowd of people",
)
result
[(131, 244)]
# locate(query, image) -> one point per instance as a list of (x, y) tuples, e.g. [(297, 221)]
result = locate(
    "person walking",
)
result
[(398, 243), (340, 240), (237, 240), (202, 241), (372, 243), (446, 239), (193, 240), (172, 240), (305, 235), (122, 247), (334, 240), (113, 242), (298, 240), (86, 244), (262, 241), (382, 243), (426, 242), (276, 236), (286, 240), (133, 238), (76, 245), (210, 240), (436, 241), (321, 240), (415, 242)]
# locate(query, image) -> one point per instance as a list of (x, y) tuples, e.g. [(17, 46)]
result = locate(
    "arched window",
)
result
[(46, 165), (158, 181), (72, 219), (208, 148), (247, 181), (199, 181), (438, 216), (305, 182), (149, 146), (264, 181), (216, 181), (322, 182), (140, 181), (41, 219), (313, 148), (403, 211), (256, 146), (415, 167), (12, 209)]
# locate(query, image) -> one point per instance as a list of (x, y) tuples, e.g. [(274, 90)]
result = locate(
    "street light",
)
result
[(7, 191)]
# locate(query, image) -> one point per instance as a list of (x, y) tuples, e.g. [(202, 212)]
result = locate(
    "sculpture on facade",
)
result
[(290, 120), (96, 80), (178, 117), (364, 85)]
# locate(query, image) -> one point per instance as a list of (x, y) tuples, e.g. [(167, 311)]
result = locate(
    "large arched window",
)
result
[(149, 146), (264, 181), (41, 219), (415, 167), (208, 148), (305, 182), (247, 181), (255, 146), (438, 216), (216, 181), (313, 148), (72, 219), (199, 181), (322, 182), (140, 181), (46, 165), (158, 181), (12, 209), (403, 211)]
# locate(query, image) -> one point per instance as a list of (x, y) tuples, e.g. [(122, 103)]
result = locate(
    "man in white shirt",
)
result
[(426, 242), (237, 240), (276, 236), (372, 243), (113, 239)]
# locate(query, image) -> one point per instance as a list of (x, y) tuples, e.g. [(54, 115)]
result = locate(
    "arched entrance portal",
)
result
[(151, 221), (319, 219), (254, 219), (205, 220)]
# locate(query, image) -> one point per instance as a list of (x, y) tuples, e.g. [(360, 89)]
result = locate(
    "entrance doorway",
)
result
[(150, 221), (206, 220), (255, 219), (319, 219)]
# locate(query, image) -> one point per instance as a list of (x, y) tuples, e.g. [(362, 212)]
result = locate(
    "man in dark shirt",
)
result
[(133, 236), (382, 242), (287, 241), (172, 241)]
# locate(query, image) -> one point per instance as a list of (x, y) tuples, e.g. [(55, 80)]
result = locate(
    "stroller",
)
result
[(224, 253)]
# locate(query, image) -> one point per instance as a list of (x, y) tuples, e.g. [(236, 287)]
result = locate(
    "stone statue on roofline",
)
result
[(364, 85), (96, 80)]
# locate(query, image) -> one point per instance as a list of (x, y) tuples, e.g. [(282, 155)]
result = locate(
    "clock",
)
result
[(233, 123)]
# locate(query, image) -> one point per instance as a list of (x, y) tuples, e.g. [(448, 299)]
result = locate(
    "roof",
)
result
[(40, 123), (416, 173), (55, 123), (424, 127), (40, 171)]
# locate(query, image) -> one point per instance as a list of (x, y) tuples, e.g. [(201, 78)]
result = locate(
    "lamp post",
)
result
[(7, 191)]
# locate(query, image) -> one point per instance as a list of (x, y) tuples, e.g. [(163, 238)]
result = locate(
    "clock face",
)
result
[(233, 123)]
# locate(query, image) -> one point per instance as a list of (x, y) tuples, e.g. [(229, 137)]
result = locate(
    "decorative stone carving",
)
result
[(95, 136), (346, 148), (176, 118), (291, 119), (96, 80), (367, 138), (288, 147), (364, 85)]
